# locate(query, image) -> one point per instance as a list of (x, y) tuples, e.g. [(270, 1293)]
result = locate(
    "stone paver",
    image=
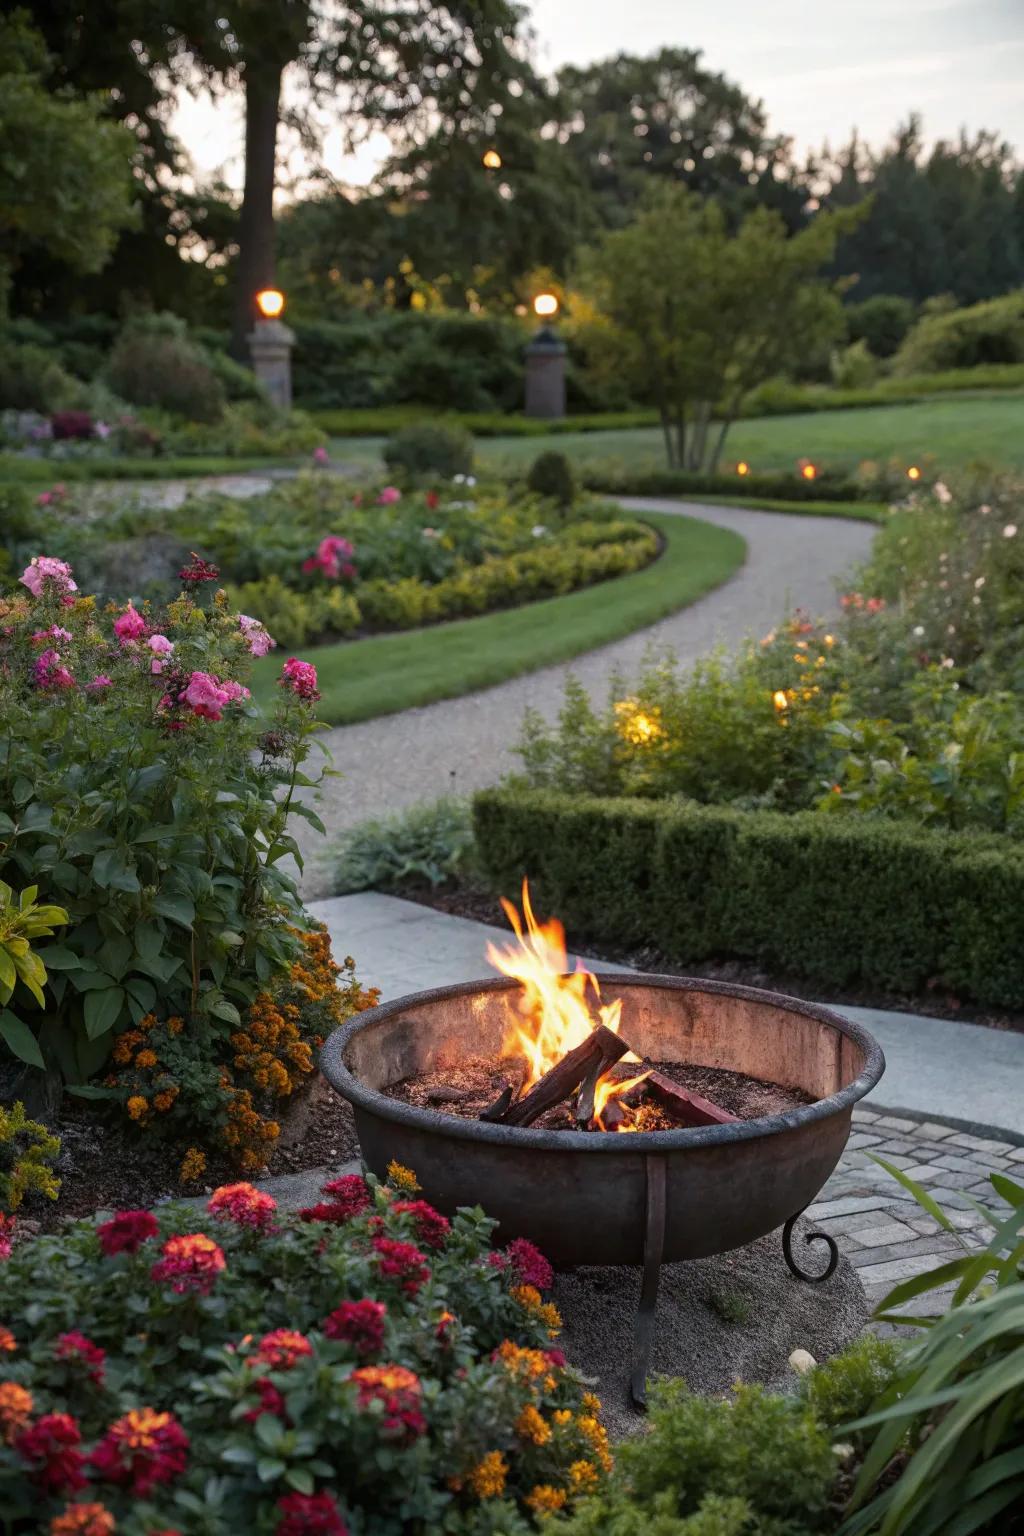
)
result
[(461, 745)]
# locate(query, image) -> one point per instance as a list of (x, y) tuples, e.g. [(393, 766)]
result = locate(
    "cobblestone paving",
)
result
[(878, 1224)]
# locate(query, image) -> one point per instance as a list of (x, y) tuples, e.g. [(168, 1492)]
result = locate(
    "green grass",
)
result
[(53, 471), (361, 679), (953, 432)]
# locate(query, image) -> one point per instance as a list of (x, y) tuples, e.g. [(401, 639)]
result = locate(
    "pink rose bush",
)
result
[(333, 559), (42, 571)]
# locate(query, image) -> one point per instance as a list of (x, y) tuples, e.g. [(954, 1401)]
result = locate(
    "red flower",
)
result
[(555, 1357), (200, 570), (189, 1263), (433, 500), (431, 1227), (350, 1191), (76, 1348), (51, 1443), (530, 1265), (300, 677), (282, 1348), (399, 1390), (271, 1400), (244, 1204), (309, 1514), (402, 1262), (141, 1450), (127, 1231), (359, 1323)]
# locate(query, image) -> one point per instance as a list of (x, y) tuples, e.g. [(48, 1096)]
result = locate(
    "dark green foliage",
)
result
[(843, 1388), (430, 842), (155, 363), (882, 322), (982, 335), (430, 448), (841, 902), (551, 475), (32, 379), (731, 1306), (828, 486)]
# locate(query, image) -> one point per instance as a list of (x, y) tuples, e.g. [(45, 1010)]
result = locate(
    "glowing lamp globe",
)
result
[(913, 473), (743, 468), (270, 303), (545, 306), (492, 160), (809, 471)]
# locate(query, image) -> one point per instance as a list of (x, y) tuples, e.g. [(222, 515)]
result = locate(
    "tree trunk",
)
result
[(666, 429), (700, 434), (255, 266), (720, 443)]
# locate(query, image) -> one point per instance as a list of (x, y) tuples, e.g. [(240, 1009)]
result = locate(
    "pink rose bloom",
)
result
[(130, 625), (53, 633), (99, 683), (50, 675), (388, 496), (234, 690), (300, 677), (43, 499), (161, 648), (256, 636), (204, 696), (320, 455), (43, 568)]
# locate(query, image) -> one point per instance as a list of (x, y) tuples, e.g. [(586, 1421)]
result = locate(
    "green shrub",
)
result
[(22, 970), (846, 1387), (551, 476), (27, 1150), (430, 842), (359, 1366), (982, 334), (881, 322), (854, 367), (677, 482), (32, 379), (429, 449), (813, 895), (153, 363)]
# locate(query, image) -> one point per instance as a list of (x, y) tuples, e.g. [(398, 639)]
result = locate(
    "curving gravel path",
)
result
[(460, 745)]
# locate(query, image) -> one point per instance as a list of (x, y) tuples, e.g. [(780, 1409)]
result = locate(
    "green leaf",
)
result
[(178, 909), (102, 1010), (920, 1194), (149, 940), (59, 958), (1012, 1193), (300, 1478), (143, 992), (20, 1040), (268, 1467), (222, 1009)]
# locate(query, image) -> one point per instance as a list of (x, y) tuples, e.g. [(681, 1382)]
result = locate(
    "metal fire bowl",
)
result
[(582, 1197)]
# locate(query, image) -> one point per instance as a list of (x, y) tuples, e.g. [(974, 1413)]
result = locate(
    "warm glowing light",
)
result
[(809, 471), (743, 468), (780, 699), (545, 306), (557, 1008), (492, 160), (270, 303), (638, 726), (913, 473)]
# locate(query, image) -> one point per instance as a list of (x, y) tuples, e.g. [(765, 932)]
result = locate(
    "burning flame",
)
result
[(555, 1011)]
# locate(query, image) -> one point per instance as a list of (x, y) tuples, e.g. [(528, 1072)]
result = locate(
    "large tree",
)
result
[(692, 316)]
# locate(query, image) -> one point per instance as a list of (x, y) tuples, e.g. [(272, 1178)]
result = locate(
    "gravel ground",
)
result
[(461, 745)]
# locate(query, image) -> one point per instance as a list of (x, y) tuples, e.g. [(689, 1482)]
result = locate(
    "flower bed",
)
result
[(364, 1366), (314, 560)]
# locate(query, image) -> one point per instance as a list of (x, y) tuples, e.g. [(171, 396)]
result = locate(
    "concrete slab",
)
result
[(941, 1069)]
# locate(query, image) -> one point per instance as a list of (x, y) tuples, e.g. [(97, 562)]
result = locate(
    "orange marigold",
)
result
[(531, 1426), (487, 1478), (583, 1476), (402, 1177), (545, 1500), (83, 1520), (137, 1106), (193, 1166), (146, 1059), (175, 1025), (124, 1045), (165, 1099), (8, 1343), (16, 1407)]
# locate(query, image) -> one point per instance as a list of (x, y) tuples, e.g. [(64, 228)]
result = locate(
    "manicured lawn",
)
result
[(361, 679), (954, 432)]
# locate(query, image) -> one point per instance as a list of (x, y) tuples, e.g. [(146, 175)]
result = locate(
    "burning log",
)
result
[(601, 1050), (688, 1108)]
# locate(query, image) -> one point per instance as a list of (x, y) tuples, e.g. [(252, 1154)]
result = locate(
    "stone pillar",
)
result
[(545, 375), (270, 347)]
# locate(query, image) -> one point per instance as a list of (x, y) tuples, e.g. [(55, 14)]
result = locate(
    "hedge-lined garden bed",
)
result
[(841, 902)]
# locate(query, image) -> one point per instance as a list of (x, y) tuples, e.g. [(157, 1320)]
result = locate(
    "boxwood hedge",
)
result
[(843, 902)]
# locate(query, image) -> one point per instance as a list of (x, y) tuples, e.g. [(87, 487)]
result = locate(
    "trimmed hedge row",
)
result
[(676, 482), (841, 901)]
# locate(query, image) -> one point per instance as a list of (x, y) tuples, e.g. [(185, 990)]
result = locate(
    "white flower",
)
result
[(919, 630), (947, 661), (538, 530), (942, 493), (975, 599), (431, 533), (985, 510), (471, 479), (1010, 531), (458, 479), (951, 629), (980, 582)]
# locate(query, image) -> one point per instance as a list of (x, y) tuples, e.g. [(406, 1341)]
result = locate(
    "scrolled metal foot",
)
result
[(654, 1248), (809, 1237)]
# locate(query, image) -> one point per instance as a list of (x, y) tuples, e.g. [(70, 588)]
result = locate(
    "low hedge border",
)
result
[(679, 482), (841, 901)]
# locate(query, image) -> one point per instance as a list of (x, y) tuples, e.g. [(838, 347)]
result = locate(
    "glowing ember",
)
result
[(558, 1009)]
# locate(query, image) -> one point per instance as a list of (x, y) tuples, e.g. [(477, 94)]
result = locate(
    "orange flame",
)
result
[(555, 1013)]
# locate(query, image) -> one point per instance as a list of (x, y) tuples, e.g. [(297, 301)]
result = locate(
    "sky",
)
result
[(821, 67)]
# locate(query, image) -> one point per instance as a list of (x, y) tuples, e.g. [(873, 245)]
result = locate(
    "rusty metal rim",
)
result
[(333, 1066)]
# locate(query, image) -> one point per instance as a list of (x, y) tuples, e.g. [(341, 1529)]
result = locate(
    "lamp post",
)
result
[(270, 347), (545, 363)]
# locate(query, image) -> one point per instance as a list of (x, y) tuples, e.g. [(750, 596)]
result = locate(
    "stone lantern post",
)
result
[(270, 347), (545, 363)]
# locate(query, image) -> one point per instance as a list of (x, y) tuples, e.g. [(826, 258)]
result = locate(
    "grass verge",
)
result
[(362, 679), (859, 511)]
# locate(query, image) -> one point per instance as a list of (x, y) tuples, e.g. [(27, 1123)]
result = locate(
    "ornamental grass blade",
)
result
[(1012, 1193), (980, 1512), (921, 1195), (918, 1284)]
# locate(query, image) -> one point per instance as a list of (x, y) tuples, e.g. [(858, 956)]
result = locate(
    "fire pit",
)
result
[(599, 1195)]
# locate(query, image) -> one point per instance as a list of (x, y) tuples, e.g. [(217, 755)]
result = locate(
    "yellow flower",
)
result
[(530, 1426), (591, 1404), (562, 1416), (544, 1499), (193, 1165), (137, 1106), (403, 1178), (487, 1478), (583, 1476), (596, 1434)]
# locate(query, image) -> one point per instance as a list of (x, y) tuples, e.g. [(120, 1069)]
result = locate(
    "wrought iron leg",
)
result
[(654, 1248), (809, 1237)]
